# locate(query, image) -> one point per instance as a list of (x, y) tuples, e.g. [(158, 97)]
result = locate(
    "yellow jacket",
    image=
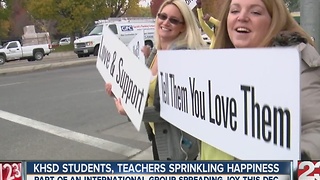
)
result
[(206, 28)]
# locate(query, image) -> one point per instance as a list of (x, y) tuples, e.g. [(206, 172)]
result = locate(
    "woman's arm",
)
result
[(214, 21), (205, 27)]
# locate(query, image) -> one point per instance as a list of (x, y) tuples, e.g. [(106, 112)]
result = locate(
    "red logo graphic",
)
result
[(309, 170), (10, 171)]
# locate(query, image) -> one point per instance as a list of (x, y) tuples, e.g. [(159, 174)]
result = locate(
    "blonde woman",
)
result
[(175, 28)]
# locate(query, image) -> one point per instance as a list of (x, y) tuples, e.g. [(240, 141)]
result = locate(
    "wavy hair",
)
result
[(191, 37), (281, 20)]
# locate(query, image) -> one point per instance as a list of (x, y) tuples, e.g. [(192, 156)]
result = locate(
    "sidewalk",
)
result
[(144, 155), (54, 60)]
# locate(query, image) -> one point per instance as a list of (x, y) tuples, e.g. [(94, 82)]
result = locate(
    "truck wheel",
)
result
[(2, 59), (80, 55), (96, 50), (38, 56)]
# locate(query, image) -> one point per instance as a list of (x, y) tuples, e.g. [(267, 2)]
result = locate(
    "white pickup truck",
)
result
[(13, 51)]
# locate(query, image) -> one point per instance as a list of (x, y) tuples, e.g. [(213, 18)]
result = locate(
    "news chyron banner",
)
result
[(164, 170)]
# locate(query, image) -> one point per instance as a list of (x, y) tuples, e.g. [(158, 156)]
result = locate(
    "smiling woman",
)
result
[(265, 23), (175, 28)]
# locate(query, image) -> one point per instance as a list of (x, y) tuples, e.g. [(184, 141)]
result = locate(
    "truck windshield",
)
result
[(96, 30)]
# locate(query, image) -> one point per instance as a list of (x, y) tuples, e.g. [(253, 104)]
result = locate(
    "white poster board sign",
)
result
[(136, 45), (245, 102), (129, 78), (191, 3)]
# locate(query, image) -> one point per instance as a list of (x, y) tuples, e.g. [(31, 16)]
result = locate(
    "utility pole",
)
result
[(310, 19)]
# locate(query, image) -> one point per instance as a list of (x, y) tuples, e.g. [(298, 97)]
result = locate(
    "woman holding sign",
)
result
[(266, 23), (176, 28)]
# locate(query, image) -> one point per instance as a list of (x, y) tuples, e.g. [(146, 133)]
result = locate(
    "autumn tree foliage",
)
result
[(211, 7), (77, 16), (4, 18), (133, 10), (293, 5), (19, 18)]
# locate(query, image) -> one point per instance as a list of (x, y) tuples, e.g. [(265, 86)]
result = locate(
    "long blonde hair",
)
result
[(281, 20), (191, 37)]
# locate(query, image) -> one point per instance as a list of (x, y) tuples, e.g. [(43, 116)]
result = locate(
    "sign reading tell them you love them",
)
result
[(245, 102)]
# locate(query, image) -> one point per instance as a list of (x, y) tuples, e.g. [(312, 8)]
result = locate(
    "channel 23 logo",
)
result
[(309, 170), (10, 171)]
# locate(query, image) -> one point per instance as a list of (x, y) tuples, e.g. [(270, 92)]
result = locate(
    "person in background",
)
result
[(146, 50), (205, 27), (267, 23), (176, 28)]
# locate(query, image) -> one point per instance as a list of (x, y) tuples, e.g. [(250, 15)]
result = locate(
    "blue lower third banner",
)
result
[(159, 170)]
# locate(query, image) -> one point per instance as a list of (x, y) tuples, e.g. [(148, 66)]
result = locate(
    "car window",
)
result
[(96, 30), (113, 28), (64, 40), (13, 45)]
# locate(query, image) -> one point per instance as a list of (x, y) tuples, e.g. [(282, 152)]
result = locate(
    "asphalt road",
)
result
[(63, 114)]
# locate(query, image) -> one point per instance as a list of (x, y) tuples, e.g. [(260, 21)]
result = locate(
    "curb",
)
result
[(39, 67), (61, 54)]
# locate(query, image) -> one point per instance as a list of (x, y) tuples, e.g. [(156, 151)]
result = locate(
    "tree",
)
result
[(293, 5), (145, 12), (133, 10), (120, 7), (19, 18), (76, 16), (137, 11), (4, 18)]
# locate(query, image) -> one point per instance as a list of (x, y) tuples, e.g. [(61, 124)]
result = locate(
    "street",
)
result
[(63, 114)]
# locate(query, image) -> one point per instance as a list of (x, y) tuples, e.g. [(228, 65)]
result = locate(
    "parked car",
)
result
[(64, 41), (14, 51), (55, 44)]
